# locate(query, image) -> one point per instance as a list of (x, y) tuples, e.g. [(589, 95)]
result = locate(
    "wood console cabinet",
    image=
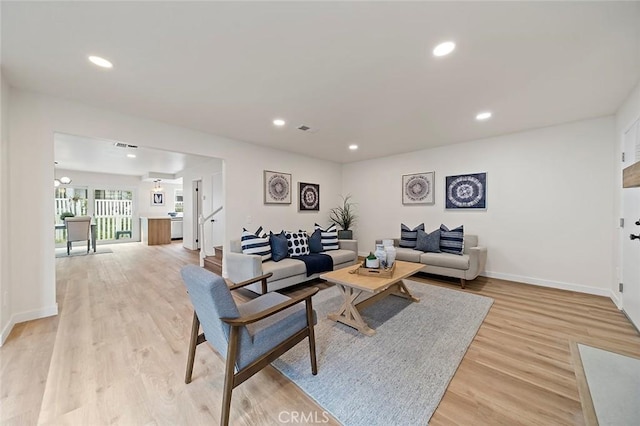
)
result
[(155, 231)]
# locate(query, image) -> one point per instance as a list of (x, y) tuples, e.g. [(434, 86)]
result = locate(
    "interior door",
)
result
[(631, 247)]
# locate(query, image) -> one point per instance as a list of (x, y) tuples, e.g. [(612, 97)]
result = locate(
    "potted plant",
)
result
[(344, 216), (66, 214)]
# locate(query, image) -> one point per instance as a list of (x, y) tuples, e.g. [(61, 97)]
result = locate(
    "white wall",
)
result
[(550, 215), (35, 118), (627, 114), (5, 253)]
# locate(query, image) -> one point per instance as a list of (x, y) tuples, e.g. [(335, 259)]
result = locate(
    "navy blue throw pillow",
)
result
[(315, 242), (428, 243), (279, 246), (452, 240)]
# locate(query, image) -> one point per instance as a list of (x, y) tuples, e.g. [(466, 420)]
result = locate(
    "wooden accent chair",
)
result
[(252, 334), (78, 229)]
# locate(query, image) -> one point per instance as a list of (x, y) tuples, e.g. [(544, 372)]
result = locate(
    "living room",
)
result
[(554, 195)]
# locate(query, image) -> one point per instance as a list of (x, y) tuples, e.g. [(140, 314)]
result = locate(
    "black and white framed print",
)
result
[(157, 198), (277, 187), (418, 188), (309, 197), (466, 191)]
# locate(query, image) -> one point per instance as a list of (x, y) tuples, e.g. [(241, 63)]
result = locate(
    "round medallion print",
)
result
[(309, 197), (278, 187), (417, 188), (465, 191)]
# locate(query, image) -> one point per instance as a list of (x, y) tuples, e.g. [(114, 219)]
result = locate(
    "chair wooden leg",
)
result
[(232, 351), (312, 338), (195, 327), (463, 282)]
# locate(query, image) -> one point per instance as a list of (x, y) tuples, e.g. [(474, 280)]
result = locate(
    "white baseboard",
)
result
[(27, 316), (547, 283), (616, 299)]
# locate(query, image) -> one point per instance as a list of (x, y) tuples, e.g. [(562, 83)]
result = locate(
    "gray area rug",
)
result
[(399, 375), (62, 252), (614, 384)]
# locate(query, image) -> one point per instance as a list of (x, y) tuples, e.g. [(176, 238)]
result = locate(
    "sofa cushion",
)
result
[(341, 256), (287, 267), (254, 243), (329, 237), (279, 246), (446, 260), (315, 242), (408, 255), (428, 242), (408, 237), (451, 241), (298, 243)]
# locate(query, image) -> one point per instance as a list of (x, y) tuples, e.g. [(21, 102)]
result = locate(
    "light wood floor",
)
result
[(117, 351)]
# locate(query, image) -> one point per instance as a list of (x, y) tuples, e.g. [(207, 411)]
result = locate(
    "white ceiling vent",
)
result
[(124, 145)]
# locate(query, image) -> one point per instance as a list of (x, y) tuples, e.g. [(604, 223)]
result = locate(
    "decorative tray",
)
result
[(376, 272)]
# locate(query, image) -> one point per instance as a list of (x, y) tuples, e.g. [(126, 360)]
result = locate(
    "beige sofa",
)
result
[(287, 272), (466, 266)]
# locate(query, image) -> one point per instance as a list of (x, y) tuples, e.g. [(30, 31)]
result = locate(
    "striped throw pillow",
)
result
[(329, 237), (452, 241), (409, 237), (254, 243)]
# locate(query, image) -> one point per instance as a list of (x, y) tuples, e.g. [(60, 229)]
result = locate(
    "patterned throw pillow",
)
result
[(408, 237), (256, 243), (452, 241), (329, 237), (298, 243), (428, 243), (315, 242)]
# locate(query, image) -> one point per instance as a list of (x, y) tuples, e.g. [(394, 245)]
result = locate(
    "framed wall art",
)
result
[(309, 197), (418, 188), (157, 198), (466, 191), (277, 187)]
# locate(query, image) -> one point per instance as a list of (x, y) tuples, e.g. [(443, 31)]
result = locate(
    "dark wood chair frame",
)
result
[(232, 379)]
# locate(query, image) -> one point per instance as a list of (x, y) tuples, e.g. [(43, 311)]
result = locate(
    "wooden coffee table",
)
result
[(353, 285)]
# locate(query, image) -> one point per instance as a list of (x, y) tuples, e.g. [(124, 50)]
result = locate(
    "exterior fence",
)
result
[(110, 216)]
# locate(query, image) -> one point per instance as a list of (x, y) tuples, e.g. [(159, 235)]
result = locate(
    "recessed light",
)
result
[(483, 116), (444, 49), (353, 147), (131, 155), (278, 122), (101, 62)]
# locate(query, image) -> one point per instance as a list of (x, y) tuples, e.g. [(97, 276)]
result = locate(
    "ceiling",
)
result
[(355, 72), (103, 156)]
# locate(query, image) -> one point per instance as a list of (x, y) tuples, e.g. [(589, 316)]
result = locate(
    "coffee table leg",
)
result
[(403, 291), (348, 313)]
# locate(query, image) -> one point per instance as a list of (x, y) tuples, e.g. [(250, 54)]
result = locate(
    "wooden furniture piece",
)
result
[(251, 335), (631, 176), (155, 231), (352, 285)]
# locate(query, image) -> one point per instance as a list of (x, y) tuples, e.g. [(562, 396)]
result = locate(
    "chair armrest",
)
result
[(241, 267), (306, 295), (349, 245), (262, 278)]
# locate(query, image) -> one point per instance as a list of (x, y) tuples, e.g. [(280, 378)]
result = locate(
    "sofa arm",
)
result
[(349, 245), (477, 261), (242, 267)]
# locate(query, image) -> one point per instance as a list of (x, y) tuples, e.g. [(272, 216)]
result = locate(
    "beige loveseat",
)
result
[(466, 266), (286, 272)]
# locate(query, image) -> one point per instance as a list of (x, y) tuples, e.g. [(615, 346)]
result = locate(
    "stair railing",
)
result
[(201, 221)]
